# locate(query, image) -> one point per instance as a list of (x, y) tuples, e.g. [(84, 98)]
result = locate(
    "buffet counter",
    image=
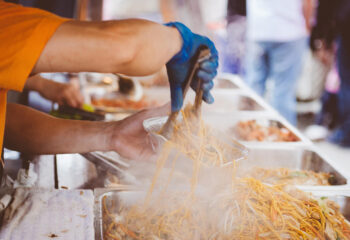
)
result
[(72, 188)]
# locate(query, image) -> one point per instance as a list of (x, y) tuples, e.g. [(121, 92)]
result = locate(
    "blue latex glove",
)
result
[(178, 66)]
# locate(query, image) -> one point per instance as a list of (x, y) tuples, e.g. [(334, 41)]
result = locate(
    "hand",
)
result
[(178, 66), (324, 51), (325, 56), (63, 93), (130, 139)]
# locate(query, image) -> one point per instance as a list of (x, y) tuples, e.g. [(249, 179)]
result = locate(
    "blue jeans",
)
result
[(341, 135), (282, 63)]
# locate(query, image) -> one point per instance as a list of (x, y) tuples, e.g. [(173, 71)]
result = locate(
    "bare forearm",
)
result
[(134, 47), (28, 130), (308, 10), (34, 83)]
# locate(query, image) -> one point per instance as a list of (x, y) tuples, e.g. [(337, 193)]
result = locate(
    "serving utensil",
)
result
[(162, 128), (202, 54)]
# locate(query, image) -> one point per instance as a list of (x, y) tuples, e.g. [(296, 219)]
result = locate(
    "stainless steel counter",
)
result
[(232, 105)]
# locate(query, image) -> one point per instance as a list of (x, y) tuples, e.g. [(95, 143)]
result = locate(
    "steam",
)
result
[(173, 185)]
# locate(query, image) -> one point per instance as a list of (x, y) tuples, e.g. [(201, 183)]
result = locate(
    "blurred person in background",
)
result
[(276, 40), (63, 8), (331, 34), (61, 93), (233, 56)]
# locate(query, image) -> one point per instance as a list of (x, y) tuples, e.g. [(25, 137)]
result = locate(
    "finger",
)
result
[(209, 66), (176, 98), (75, 96), (80, 100), (208, 98), (211, 46), (70, 100), (207, 42), (77, 101), (206, 77), (74, 93), (207, 86)]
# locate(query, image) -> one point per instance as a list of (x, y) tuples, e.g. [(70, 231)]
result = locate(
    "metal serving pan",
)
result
[(344, 203), (113, 198), (338, 194), (298, 158), (228, 100), (152, 97), (224, 83), (228, 123)]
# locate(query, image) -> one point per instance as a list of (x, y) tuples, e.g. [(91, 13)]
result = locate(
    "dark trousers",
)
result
[(63, 8), (341, 135), (343, 62)]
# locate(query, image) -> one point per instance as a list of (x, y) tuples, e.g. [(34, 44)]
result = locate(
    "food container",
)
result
[(113, 198), (338, 194), (224, 83), (233, 151), (344, 204), (228, 100), (251, 128), (115, 102), (296, 158), (233, 78), (225, 99)]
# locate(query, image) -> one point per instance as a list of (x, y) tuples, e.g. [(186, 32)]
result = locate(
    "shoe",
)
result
[(316, 132)]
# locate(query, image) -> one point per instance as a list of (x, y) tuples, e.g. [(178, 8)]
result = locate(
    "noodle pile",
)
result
[(229, 208), (290, 176)]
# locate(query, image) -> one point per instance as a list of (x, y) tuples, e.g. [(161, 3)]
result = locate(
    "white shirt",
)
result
[(275, 20)]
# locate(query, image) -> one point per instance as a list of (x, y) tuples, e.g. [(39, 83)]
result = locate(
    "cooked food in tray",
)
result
[(122, 103), (248, 209), (210, 201), (128, 95), (253, 130), (290, 176)]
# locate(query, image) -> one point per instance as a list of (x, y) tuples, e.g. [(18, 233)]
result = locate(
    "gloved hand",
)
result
[(179, 66)]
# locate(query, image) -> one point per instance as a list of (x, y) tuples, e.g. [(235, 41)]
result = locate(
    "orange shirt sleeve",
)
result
[(23, 34)]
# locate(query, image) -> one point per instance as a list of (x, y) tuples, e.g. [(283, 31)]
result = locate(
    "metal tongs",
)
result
[(202, 54)]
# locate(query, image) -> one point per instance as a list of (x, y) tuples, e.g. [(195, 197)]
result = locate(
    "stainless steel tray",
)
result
[(226, 83), (344, 203), (298, 158), (234, 78), (225, 99), (155, 96), (76, 171), (228, 100), (228, 121), (114, 197), (340, 197)]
